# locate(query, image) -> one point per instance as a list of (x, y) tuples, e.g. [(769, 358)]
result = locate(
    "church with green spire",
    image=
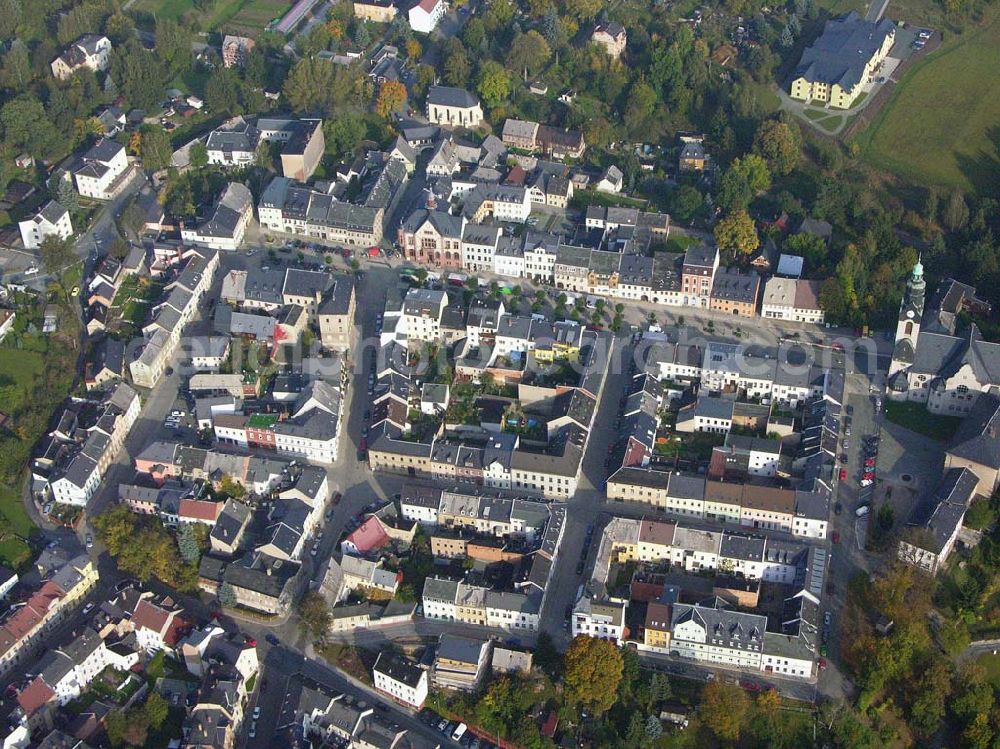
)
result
[(934, 361)]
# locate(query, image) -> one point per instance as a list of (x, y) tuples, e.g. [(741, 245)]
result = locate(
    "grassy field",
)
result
[(942, 124), (15, 529), (251, 16), (236, 16), (991, 663), (916, 418), (839, 7), (170, 9), (18, 371)]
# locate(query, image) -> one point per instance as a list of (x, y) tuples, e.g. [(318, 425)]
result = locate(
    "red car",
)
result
[(868, 475), (836, 537), (870, 463), (822, 664), (750, 686), (843, 474), (364, 445), (250, 641), (336, 498)]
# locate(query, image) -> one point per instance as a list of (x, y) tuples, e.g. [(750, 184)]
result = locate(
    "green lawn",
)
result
[(940, 125), (814, 114), (830, 123), (839, 7), (170, 9), (250, 16), (916, 418), (992, 665), (18, 372), (680, 242), (245, 16), (15, 529)]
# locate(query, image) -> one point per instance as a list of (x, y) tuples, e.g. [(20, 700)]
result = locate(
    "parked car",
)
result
[(272, 639), (336, 498), (843, 474), (862, 511), (835, 537)]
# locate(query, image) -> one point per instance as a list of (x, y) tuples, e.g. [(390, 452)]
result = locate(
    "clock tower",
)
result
[(908, 327)]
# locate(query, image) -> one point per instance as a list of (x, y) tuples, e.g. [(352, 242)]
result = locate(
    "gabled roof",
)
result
[(447, 96), (840, 54)]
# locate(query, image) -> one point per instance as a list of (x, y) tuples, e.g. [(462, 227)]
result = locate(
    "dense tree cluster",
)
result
[(143, 547)]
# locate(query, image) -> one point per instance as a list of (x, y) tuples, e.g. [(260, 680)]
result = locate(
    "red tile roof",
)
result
[(33, 696), (428, 5), (176, 630), (148, 615), (369, 535), (550, 724), (26, 618), (199, 509), (645, 592)]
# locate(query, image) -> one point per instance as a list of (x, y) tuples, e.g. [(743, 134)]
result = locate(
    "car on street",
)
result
[(253, 730), (835, 537), (862, 511), (838, 508), (750, 686), (256, 712), (336, 498), (827, 617), (272, 639), (822, 664), (579, 568), (90, 541), (843, 474), (88, 608)]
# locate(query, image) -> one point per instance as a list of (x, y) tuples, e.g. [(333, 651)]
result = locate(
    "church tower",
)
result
[(908, 326)]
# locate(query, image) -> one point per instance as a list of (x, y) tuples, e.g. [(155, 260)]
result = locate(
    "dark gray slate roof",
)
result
[(447, 96), (841, 52)]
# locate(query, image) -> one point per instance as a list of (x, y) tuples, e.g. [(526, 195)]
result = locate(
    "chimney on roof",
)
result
[(431, 202)]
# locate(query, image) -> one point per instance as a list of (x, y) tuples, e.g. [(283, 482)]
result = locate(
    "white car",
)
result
[(253, 729), (256, 712)]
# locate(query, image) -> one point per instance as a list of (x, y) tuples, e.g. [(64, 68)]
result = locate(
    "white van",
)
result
[(862, 511), (459, 732)]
